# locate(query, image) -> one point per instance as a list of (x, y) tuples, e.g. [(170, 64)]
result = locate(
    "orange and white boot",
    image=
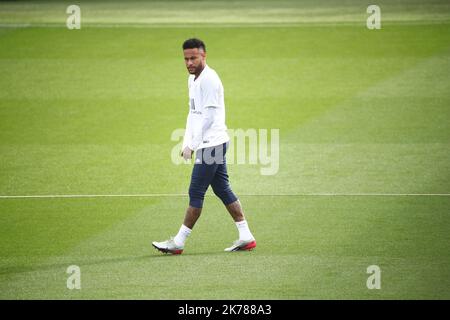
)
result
[(242, 245), (168, 246)]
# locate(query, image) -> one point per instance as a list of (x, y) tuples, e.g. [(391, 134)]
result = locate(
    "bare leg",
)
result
[(191, 217), (235, 210)]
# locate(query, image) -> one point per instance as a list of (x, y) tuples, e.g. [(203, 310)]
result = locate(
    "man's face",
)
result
[(194, 59)]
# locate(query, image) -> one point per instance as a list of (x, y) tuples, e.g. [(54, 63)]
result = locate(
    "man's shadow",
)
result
[(46, 267)]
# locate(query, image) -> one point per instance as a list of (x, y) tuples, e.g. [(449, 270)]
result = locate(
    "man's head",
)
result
[(194, 55)]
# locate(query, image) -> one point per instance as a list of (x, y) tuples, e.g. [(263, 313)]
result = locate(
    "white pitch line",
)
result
[(94, 195), (149, 195), (237, 24)]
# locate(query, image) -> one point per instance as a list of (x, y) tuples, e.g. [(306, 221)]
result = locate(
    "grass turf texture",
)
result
[(91, 111)]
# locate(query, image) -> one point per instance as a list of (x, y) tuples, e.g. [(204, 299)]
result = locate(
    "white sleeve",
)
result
[(210, 92), (188, 132), (197, 134)]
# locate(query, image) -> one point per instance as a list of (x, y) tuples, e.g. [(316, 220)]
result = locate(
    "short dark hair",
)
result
[(194, 43)]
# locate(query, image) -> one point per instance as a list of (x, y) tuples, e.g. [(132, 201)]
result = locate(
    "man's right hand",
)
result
[(187, 153)]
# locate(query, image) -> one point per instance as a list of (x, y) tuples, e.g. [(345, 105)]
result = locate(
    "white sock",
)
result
[(180, 238), (244, 231)]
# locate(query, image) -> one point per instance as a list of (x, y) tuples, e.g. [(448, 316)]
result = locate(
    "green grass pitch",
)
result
[(364, 120)]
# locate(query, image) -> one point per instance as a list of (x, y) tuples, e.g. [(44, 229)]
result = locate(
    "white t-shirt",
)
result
[(205, 125)]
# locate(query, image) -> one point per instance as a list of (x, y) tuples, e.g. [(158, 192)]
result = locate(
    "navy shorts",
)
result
[(210, 168)]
